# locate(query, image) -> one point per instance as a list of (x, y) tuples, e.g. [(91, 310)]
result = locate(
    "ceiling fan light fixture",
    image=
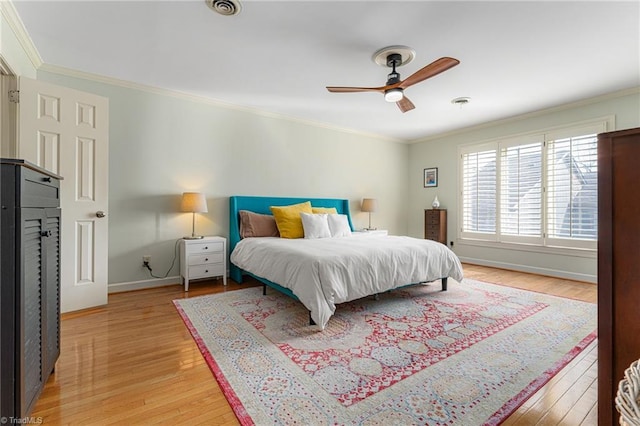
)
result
[(393, 95)]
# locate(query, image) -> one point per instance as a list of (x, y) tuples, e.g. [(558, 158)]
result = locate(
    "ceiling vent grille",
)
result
[(225, 7)]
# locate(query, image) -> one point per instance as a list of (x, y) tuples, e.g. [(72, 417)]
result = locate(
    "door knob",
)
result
[(100, 213)]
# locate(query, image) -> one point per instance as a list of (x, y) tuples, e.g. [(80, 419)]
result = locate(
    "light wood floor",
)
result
[(134, 362)]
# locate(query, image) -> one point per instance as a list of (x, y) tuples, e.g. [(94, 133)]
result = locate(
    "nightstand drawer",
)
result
[(205, 247), (200, 259), (201, 271)]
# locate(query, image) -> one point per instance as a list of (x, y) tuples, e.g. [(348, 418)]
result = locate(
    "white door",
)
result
[(66, 131)]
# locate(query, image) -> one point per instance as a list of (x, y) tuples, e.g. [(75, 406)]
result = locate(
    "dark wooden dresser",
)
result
[(435, 225), (618, 264), (30, 285)]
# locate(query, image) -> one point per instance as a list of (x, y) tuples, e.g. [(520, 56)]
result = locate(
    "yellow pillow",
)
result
[(327, 210), (288, 219)]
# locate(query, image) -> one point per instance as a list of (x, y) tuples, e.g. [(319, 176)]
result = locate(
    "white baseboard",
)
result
[(144, 284), (532, 269)]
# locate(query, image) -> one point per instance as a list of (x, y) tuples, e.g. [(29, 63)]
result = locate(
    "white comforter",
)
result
[(326, 271)]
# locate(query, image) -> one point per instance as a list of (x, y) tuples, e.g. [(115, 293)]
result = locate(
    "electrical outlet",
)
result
[(146, 258)]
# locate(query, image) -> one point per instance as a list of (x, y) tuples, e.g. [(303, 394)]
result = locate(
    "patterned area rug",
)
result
[(470, 355)]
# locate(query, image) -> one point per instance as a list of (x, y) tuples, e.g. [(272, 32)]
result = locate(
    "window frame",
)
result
[(542, 243)]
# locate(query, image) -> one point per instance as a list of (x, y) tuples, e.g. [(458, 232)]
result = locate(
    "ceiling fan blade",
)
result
[(431, 70), (354, 89), (405, 104)]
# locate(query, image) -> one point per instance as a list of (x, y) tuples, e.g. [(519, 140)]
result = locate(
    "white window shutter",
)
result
[(521, 190), (572, 197), (479, 192)]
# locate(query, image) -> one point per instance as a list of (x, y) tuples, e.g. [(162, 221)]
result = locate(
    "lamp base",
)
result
[(193, 237)]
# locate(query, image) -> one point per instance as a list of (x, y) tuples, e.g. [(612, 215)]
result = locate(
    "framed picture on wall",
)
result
[(431, 177)]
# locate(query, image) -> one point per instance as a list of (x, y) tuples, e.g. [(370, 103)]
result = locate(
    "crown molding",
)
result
[(10, 14), (68, 72), (532, 114)]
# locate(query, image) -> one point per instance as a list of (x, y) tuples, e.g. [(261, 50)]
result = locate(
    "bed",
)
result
[(324, 272)]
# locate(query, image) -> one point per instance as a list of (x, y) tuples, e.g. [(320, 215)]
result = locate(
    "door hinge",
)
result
[(14, 96)]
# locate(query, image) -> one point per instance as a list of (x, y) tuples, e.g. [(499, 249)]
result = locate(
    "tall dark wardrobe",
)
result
[(618, 264), (30, 283)]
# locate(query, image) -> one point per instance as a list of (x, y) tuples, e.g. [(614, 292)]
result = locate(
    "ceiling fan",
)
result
[(395, 56)]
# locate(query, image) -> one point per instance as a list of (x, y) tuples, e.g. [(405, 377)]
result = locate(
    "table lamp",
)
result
[(194, 202), (369, 205)]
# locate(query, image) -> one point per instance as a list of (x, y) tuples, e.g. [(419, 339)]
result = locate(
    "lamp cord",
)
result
[(173, 262)]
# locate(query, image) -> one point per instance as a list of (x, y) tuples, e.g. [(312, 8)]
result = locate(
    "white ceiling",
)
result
[(278, 56)]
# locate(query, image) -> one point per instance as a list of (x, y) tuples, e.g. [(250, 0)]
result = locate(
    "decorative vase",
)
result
[(435, 203)]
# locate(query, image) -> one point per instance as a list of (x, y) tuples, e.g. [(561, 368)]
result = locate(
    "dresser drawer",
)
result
[(432, 216), (201, 259), (39, 190), (205, 247), (435, 225), (202, 271)]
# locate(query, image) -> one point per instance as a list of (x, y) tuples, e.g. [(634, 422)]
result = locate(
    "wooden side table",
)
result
[(203, 258), (435, 225)]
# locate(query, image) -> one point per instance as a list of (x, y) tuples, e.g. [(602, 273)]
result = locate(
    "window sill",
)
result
[(562, 251)]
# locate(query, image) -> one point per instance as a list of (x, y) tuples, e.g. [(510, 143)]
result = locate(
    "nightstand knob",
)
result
[(206, 270), (206, 248), (206, 259)]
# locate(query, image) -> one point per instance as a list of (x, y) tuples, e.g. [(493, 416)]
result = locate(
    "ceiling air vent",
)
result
[(225, 7)]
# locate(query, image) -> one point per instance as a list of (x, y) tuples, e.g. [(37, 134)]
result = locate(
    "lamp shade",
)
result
[(369, 205), (194, 202)]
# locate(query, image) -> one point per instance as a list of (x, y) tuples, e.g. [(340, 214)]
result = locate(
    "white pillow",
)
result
[(315, 225), (339, 225)]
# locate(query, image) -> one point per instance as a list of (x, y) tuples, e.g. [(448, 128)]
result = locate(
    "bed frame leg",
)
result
[(444, 283), (264, 289), (311, 321)]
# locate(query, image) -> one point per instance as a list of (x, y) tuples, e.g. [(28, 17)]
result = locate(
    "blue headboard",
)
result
[(261, 205)]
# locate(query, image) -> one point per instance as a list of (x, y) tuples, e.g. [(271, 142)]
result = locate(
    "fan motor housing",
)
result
[(394, 60), (393, 78)]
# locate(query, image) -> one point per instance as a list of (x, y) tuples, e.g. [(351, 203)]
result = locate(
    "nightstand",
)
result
[(203, 258), (376, 232)]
